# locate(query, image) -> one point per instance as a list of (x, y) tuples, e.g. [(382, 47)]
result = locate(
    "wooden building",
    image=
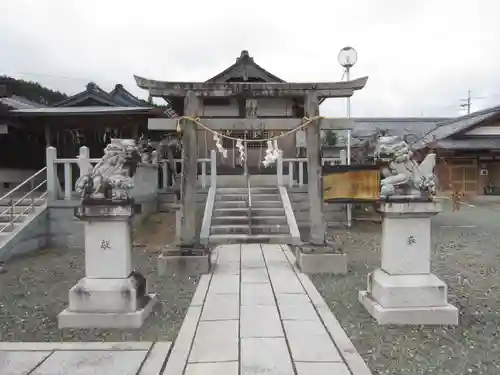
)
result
[(89, 118), (468, 150)]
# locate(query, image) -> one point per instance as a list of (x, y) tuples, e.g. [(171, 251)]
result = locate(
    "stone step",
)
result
[(243, 229), (244, 204), (266, 197), (231, 197), (245, 238), (8, 227), (23, 202), (269, 220), (227, 220), (253, 190), (6, 218), (6, 211), (256, 212), (243, 219), (244, 197), (230, 204), (231, 228), (266, 204)]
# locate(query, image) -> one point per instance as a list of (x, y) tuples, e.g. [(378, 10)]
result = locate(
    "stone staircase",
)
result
[(234, 222), (14, 219)]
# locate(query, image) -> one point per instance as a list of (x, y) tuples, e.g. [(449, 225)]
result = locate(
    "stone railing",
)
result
[(206, 167), (297, 168), (62, 174)]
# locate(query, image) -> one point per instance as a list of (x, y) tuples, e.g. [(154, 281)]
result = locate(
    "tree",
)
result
[(32, 91)]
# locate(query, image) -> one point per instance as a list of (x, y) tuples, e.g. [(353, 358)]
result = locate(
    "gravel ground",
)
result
[(467, 258), (35, 289)]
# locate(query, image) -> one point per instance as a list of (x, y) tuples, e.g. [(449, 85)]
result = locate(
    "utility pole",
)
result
[(467, 105)]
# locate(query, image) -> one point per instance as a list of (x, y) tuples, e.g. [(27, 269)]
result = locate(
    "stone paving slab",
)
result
[(92, 362), (20, 362), (83, 358), (215, 342), (265, 356), (222, 307), (260, 321), (257, 294)]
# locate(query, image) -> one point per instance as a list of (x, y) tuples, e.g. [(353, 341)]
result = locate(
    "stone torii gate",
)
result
[(192, 94)]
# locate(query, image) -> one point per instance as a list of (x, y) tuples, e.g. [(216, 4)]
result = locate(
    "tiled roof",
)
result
[(90, 110), (469, 144), (245, 66), (366, 127), (447, 128), (123, 97), (18, 102)]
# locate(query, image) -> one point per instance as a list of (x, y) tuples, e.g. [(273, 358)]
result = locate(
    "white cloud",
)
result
[(421, 55)]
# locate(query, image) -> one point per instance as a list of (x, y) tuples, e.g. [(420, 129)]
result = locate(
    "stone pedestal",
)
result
[(111, 295), (404, 291), (177, 259), (327, 258)]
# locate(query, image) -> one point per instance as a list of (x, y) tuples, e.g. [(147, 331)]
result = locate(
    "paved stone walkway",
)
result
[(257, 314)]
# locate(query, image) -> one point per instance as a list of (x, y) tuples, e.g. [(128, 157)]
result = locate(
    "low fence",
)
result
[(297, 170), (62, 173), (206, 167)]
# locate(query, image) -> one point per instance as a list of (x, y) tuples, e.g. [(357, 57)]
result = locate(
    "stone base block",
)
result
[(198, 262), (71, 319), (107, 295), (407, 290), (321, 262), (435, 315)]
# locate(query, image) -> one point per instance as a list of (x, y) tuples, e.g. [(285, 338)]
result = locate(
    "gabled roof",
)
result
[(365, 127), (18, 102), (92, 94), (245, 68), (123, 97), (450, 127)]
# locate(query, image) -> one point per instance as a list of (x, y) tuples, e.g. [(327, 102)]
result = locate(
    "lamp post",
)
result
[(347, 58)]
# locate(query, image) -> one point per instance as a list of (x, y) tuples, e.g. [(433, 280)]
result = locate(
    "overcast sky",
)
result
[(421, 56)]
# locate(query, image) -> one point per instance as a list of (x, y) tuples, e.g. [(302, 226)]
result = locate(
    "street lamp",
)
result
[(347, 58)]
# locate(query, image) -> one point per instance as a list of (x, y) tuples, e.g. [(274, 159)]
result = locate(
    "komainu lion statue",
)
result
[(404, 176), (111, 178)]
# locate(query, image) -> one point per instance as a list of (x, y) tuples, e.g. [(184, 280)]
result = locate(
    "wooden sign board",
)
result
[(351, 183)]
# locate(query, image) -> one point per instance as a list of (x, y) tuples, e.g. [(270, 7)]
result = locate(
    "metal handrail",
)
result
[(249, 208), (23, 183), (10, 209)]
